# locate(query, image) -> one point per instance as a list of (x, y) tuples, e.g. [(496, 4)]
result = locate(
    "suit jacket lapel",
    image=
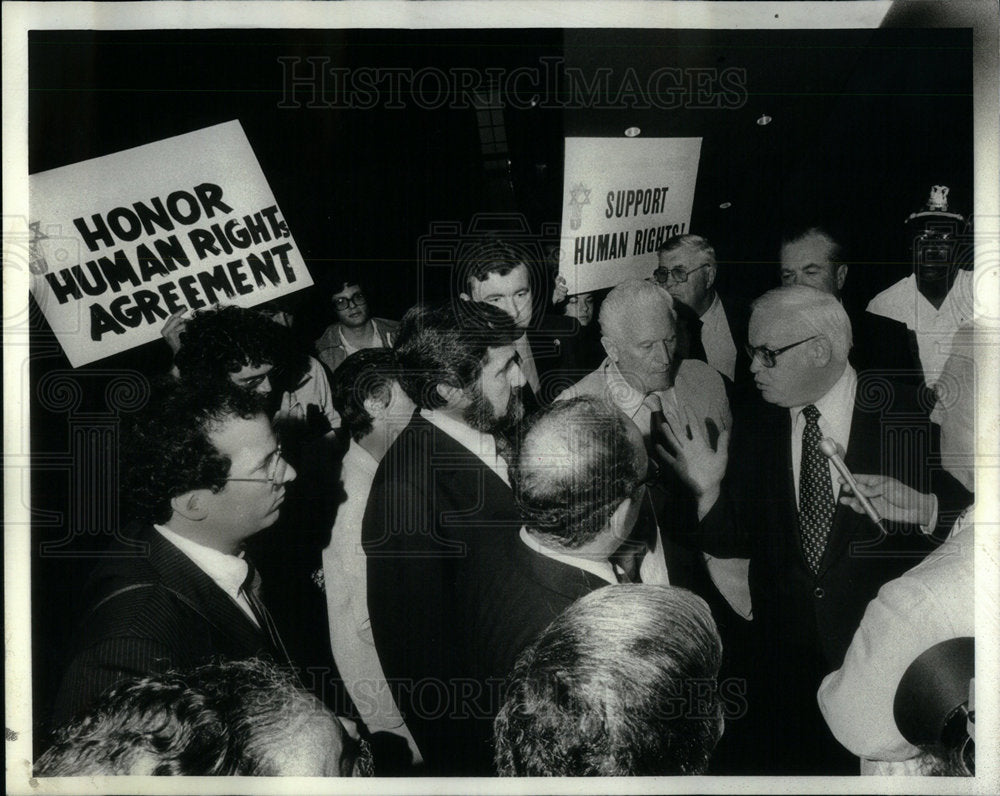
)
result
[(862, 456), (202, 594)]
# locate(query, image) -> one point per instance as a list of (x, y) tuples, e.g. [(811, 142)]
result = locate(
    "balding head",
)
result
[(579, 463)]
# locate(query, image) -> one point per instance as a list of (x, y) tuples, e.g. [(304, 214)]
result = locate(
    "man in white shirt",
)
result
[(937, 297), (441, 490), (375, 410), (687, 269), (202, 469), (932, 602)]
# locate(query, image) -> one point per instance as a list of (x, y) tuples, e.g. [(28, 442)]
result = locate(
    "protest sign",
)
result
[(622, 198), (121, 242)]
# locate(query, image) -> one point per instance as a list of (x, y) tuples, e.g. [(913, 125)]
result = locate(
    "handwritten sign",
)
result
[(622, 199), (121, 242)]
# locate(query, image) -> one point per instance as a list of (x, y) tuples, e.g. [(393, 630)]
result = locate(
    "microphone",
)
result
[(830, 450)]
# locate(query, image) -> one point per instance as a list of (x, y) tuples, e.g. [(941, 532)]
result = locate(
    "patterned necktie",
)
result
[(816, 502)]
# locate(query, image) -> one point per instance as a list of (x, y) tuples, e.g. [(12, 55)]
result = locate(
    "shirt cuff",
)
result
[(932, 522)]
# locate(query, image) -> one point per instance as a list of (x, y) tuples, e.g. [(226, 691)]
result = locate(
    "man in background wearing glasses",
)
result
[(814, 564), (201, 473), (687, 269), (355, 328)]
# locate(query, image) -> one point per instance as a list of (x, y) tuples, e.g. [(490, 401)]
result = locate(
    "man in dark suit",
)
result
[(441, 491), (716, 328), (812, 256), (496, 272), (203, 472), (572, 530), (814, 564)]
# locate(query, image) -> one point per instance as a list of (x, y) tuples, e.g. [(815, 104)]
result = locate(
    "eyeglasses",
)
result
[(768, 357), (357, 300), (277, 467), (663, 275)]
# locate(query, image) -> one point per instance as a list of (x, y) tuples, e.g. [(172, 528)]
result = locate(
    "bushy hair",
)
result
[(575, 467), (448, 344), (794, 234), (218, 719), (223, 340), (365, 374), (623, 683), (166, 450)]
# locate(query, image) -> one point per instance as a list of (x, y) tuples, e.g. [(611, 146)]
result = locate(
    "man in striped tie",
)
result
[(814, 564), (202, 472)]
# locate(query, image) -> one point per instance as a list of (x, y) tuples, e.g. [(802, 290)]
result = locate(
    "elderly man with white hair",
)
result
[(814, 563)]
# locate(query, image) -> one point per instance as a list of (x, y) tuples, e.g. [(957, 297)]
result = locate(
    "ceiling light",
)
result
[(764, 120), (632, 132)]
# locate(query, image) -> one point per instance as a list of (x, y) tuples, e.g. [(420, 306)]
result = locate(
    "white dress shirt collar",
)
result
[(475, 441), (228, 571), (601, 569)]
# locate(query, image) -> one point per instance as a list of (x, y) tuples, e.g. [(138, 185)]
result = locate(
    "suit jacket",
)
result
[(803, 622), (886, 347), (737, 316), (432, 503), (147, 614), (554, 341)]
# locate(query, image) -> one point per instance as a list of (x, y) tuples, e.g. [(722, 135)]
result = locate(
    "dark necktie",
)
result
[(816, 502), (251, 589)]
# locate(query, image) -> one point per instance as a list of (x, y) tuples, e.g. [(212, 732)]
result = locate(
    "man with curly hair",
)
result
[(201, 472), (252, 350)]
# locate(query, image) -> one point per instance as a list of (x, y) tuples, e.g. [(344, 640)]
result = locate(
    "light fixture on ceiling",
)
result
[(632, 132), (725, 205), (764, 120)]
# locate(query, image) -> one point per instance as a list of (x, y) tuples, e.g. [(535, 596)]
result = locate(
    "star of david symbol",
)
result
[(36, 233), (580, 195)]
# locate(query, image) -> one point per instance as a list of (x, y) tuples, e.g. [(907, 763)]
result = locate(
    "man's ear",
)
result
[(710, 278), (452, 395), (822, 351), (191, 505), (841, 276), (610, 347), (375, 408)]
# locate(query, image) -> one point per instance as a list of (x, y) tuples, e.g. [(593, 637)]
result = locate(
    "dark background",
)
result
[(863, 123)]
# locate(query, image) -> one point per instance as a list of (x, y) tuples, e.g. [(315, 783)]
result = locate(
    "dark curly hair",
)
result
[(448, 344), (166, 450), (575, 467), (223, 340), (365, 374), (622, 683)]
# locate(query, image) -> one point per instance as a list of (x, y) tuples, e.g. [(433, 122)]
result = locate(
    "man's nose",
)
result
[(290, 473), (264, 388), (755, 364), (517, 376)]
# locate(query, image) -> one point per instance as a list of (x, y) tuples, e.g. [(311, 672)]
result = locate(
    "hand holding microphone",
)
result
[(880, 496), (831, 450)]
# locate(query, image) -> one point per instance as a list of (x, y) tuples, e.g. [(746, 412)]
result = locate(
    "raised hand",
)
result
[(560, 291), (895, 501), (171, 331), (693, 459)]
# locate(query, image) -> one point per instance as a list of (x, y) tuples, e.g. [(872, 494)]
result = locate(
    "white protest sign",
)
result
[(121, 242), (622, 198)]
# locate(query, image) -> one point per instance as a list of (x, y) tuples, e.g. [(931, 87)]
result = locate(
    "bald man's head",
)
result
[(579, 462)]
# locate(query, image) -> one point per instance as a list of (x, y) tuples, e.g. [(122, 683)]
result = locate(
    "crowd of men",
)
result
[(603, 536)]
